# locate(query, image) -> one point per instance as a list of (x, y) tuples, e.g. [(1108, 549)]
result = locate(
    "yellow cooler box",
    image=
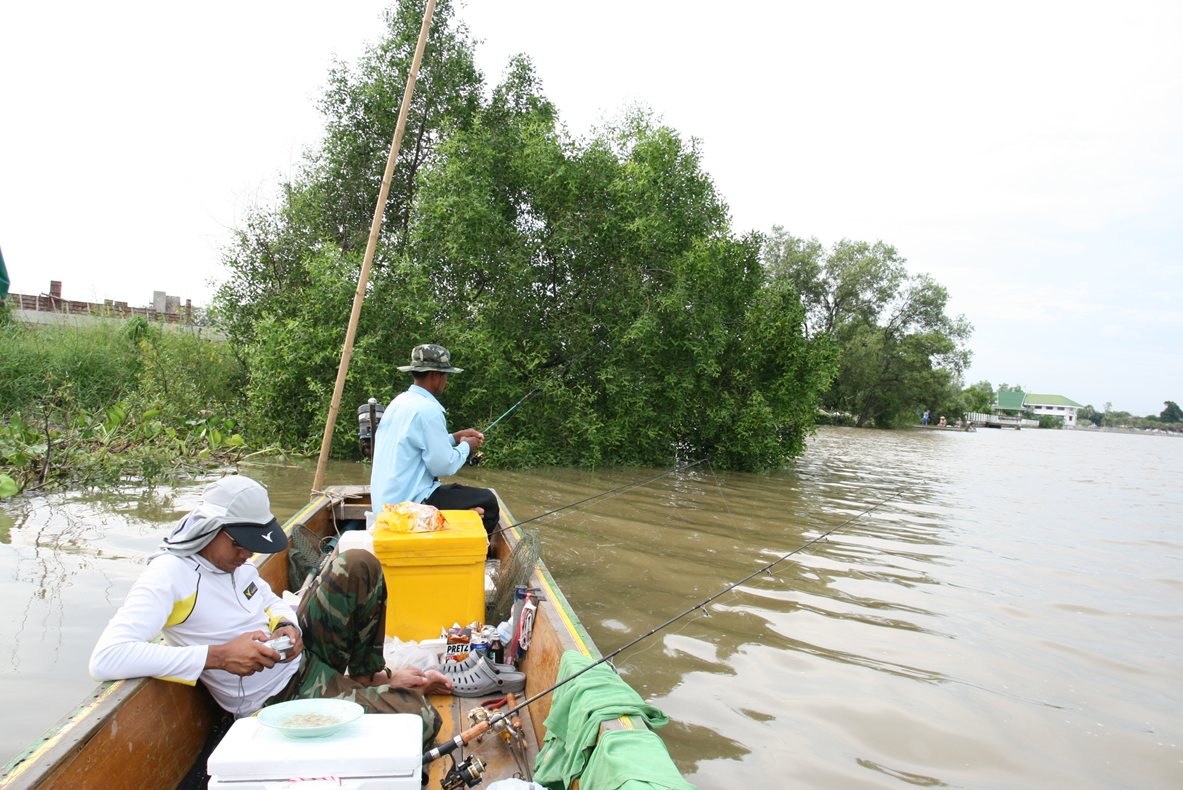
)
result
[(434, 579)]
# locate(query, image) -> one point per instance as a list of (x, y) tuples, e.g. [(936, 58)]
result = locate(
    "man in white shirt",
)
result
[(203, 595), (413, 448)]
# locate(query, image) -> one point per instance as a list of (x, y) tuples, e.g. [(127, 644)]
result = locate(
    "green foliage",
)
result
[(616, 253), (1123, 420), (93, 365), (899, 352), (1050, 421), (1172, 412), (293, 356), (111, 401), (113, 445), (329, 204), (978, 397), (835, 418)]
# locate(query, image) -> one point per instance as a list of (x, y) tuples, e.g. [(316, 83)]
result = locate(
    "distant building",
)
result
[(1055, 405), (51, 308), (1013, 403), (1009, 402)]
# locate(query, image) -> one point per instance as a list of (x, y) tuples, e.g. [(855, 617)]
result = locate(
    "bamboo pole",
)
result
[(371, 245)]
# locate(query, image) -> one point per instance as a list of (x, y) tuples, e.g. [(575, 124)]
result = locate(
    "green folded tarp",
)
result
[(624, 760), (574, 723)]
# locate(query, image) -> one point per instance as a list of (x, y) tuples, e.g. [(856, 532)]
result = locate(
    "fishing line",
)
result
[(600, 495), (461, 740)]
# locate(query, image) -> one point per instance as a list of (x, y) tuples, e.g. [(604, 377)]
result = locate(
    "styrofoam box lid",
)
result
[(377, 744)]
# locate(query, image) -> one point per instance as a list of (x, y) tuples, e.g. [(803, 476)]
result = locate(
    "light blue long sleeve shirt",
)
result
[(412, 450)]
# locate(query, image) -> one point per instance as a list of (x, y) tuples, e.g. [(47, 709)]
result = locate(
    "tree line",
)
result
[(601, 269)]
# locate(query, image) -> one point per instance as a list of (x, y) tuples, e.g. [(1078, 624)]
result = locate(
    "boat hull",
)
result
[(151, 733)]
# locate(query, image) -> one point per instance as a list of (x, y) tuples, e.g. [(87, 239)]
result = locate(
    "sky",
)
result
[(1028, 156)]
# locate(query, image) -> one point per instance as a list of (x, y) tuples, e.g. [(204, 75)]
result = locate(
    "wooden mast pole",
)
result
[(371, 245)]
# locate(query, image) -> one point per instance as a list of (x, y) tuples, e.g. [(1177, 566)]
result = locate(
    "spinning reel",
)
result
[(465, 774)]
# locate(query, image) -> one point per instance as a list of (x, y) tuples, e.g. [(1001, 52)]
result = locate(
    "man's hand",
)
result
[(429, 682), (471, 435), (243, 655), (292, 633)]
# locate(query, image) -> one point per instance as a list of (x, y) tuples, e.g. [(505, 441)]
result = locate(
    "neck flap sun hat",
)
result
[(236, 504), (428, 357)]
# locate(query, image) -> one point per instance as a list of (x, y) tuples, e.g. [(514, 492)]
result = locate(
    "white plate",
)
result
[(310, 718)]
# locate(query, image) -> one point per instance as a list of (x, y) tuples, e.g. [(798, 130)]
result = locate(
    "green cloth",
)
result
[(573, 726), (625, 760)]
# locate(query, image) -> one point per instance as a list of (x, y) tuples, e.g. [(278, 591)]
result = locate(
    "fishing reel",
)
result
[(475, 458), (465, 774)]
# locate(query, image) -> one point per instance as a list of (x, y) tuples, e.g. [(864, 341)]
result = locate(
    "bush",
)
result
[(112, 401)]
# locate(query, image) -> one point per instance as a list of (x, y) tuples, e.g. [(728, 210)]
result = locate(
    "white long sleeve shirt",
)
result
[(193, 604)]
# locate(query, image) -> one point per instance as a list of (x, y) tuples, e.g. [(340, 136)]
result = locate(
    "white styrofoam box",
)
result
[(356, 539), (379, 750)]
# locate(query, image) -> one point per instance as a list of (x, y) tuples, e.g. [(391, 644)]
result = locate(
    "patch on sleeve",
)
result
[(250, 591)]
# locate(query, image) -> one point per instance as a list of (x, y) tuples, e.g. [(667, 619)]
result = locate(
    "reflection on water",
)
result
[(991, 609)]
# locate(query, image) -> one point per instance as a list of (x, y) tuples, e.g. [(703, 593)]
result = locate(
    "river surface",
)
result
[(994, 610)]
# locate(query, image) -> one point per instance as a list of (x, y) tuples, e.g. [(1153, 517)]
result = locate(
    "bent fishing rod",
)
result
[(479, 729), (600, 495)]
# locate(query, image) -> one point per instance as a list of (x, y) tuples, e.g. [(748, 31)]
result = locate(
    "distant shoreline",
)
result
[(1141, 431)]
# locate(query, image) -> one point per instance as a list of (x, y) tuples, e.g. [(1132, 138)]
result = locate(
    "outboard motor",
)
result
[(369, 414)]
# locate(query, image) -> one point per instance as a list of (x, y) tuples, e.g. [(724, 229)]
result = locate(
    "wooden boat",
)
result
[(149, 733), (965, 428)]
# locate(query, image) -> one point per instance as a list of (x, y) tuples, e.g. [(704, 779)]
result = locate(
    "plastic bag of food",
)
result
[(409, 517)]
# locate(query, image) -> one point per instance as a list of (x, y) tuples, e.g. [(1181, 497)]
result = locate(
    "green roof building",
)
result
[(1010, 400), (1015, 401)]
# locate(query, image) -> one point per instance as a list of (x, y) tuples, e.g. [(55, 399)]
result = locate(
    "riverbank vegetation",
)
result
[(1169, 419), (114, 401), (600, 273), (898, 350)]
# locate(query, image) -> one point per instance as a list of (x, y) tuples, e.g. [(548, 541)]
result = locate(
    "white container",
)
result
[(356, 539), (379, 750), (371, 519)]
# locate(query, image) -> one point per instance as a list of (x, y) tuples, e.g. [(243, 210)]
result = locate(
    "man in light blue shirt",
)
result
[(413, 448)]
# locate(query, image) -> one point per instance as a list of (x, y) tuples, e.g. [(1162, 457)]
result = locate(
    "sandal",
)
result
[(476, 676)]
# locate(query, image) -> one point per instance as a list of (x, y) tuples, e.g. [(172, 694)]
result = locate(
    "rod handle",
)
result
[(463, 739)]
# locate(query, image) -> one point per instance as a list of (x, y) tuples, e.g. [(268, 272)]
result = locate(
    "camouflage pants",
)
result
[(343, 619)]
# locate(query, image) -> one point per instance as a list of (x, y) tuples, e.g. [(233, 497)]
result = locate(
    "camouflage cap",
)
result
[(430, 356)]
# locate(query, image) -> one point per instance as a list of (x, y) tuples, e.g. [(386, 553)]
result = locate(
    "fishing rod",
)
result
[(600, 495), (477, 457), (479, 729)]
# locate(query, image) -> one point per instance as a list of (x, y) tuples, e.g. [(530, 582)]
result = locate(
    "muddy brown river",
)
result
[(1010, 615)]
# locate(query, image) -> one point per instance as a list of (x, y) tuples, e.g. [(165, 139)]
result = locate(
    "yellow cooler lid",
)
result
[(462, 538)]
